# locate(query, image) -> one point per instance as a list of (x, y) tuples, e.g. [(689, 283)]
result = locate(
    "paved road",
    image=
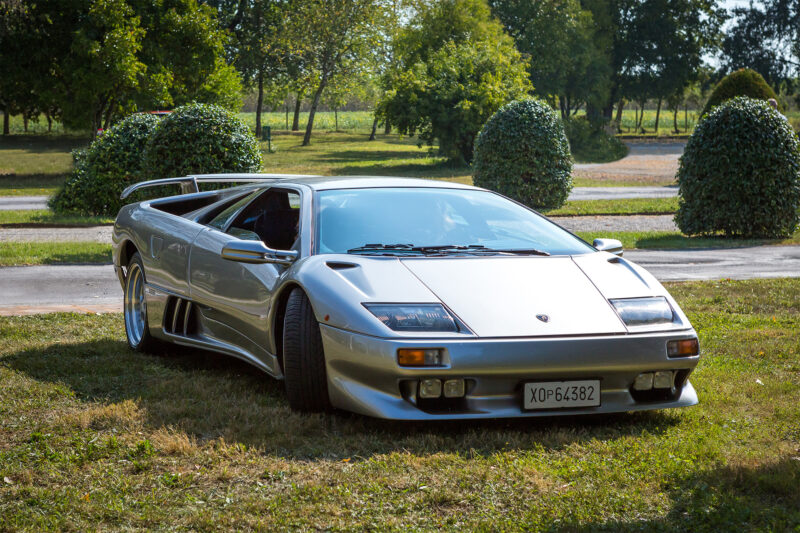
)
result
[(38, 289), (611, 223), (620, 193), (22, 203), (646, 162), (89, 233)]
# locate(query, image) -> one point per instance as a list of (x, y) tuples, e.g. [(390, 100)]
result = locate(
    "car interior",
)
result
[(273, 217)]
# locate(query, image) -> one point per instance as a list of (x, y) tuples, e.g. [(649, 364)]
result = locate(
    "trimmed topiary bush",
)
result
[(740, 173), (523, 153), (102, 171), (743, 82), (201, 139)]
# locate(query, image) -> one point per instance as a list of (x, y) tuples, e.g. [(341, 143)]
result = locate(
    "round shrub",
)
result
[(743, 82), (201, 139), (523, 153), (740, 173), (100, 173)]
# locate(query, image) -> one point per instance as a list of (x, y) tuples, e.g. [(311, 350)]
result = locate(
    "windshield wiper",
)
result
[(519, 251), (476, 249)]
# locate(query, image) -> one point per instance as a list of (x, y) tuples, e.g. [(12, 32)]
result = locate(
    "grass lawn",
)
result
[(95, 436), (41, 217), (632, 206), (35, 164), (49, 253), (669, 239)]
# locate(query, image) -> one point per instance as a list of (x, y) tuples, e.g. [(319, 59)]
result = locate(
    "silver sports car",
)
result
[(401, 298)]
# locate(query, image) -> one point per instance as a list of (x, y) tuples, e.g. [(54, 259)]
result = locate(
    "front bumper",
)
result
[(364, 377)]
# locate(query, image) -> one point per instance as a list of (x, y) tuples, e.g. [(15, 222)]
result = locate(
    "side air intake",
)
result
[(180, 317)]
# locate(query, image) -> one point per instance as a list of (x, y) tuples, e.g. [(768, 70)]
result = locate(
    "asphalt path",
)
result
[(22, 203), (95, 288)]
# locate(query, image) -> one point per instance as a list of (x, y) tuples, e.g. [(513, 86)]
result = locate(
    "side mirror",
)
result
[(612, 246), (257, 252)]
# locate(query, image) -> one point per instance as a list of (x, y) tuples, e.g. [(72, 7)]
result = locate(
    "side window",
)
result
[(273, 217), (221, 221)]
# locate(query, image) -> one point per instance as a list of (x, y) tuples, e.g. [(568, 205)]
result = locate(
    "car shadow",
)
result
[(729, 498), (211, 396)]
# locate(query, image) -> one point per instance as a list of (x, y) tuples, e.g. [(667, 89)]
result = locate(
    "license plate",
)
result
[(561, 394)]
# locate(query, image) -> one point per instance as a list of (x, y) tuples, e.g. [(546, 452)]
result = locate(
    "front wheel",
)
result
[(135, 308), (303, 357)]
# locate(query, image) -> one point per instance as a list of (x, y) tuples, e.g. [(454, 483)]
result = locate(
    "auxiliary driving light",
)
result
[(683, 348), (419, 357), (430, 388), (454, 388), (643, 381), (662, 379)]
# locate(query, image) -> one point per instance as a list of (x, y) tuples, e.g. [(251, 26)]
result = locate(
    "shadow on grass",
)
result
[(31, 181), (684, 242), (765, 498), (213, 396)]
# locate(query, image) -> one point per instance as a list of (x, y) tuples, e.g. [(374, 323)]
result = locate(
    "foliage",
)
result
[(740, 173), (444, 86), (591, 144), (523, 153), (743, 82), (111, 163), (566, 65), (201, 139)]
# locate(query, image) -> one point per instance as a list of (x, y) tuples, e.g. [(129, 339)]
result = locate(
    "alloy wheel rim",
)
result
[(135, 310)]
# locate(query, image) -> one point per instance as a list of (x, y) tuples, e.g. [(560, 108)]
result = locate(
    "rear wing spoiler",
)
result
[(191, 184)]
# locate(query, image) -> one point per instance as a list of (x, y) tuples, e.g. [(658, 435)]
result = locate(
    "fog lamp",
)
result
[(419, 357), (454, 388), (683, 348), (643, 381), (430, 388), (662, 379)]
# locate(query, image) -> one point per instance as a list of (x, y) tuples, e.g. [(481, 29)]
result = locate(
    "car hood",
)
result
[(496, 296)]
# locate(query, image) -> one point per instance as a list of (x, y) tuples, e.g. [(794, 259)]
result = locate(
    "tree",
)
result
[(455, 67), (334, 36), (559, 38), (450, 96)]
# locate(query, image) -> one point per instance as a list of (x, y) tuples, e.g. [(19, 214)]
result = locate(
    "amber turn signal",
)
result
[(419, 357), (683, 348)]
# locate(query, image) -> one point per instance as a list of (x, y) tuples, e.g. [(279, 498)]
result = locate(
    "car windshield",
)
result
[(397, 221)]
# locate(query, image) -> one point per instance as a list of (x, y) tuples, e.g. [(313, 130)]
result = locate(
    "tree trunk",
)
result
[(313, 111), (675, 121), (658, 114), (25, 122), (259, 103), (618, 119), (562, 106), (685, 119), (107, 121), (5, 122), (286, 106), (298, 101), (374, 128), (335, 119), (49, 122), (387, 128)]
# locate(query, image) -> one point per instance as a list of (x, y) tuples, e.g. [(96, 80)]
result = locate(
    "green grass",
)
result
[(632, 206), (675, 240), (35, 164), (51, 253), (41, 217), (95, 436)]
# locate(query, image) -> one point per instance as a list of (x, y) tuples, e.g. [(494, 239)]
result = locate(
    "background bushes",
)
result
[(201, 139), (743, 82), (740, 173), (523, 153), (101, 172), (194, 139), (591, 143)]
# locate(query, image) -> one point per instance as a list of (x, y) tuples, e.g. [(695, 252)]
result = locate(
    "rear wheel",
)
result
[(135, 308), (303, 357)]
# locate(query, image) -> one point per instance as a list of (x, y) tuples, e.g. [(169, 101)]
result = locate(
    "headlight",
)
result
[(644, 311), (414, 317)]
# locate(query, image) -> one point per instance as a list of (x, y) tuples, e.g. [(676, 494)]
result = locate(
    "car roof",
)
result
[(321, 183)]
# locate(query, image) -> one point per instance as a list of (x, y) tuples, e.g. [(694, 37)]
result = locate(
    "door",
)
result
[(234, 298)]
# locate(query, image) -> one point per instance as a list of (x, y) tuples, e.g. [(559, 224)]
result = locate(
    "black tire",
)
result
[(303, 356), (138, 336)]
